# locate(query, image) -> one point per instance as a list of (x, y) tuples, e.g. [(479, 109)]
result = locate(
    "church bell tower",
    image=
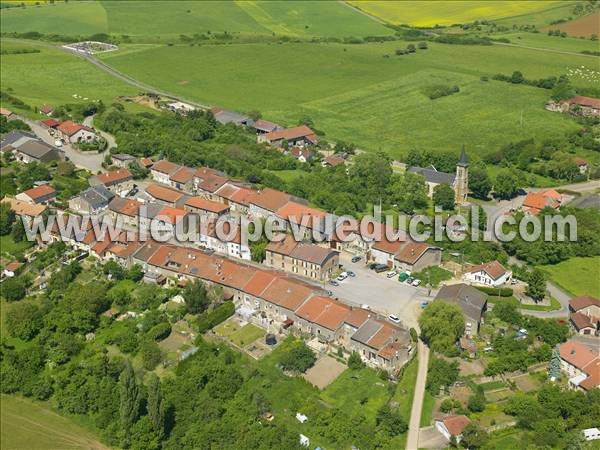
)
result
[(461, 182)]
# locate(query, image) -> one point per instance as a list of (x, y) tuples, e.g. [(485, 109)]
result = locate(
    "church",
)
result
[(458, 181)]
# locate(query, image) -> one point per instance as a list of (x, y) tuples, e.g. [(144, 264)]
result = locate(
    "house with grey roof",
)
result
[(224, 116), (471, 301), (34, 150), (16, 138), (92, 201)]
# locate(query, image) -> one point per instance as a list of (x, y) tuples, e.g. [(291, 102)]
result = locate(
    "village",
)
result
[(357, 296)]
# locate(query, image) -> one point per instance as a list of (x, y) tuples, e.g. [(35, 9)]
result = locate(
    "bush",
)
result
[(160, 331), (151, 355), (498, 292), (298, 359), (355, 362), (13, 289), (440, 90), (216, 316)]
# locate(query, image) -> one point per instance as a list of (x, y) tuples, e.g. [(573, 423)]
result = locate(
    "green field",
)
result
[(30, 426), (578, 276), (169, 19), (353, 93), (431, 13), (54, 76), (8, 245)]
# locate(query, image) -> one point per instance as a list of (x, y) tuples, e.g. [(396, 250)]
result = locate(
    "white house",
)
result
[(231, 243), (74, 132), (161, 171), (489, 274)]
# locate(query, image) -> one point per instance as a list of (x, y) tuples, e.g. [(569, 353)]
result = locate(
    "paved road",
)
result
[(412, 441), (91, 161), (559, 295), (89, 122), (126, 78)]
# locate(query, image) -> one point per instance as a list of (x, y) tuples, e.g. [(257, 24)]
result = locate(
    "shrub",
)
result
[(160, 331), (216, 316), (298, 359), (355, 361), (440, 90)]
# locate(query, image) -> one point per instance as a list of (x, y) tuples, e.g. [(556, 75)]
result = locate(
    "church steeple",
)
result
[(463, 161)]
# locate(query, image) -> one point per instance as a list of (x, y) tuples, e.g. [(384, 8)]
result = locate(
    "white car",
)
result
[(392, 273), (416, 282), (342, 276), (365, 306), (58, 143), (394, 318)]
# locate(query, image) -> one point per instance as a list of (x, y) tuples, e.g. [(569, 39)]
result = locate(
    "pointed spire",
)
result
[(463, 160)]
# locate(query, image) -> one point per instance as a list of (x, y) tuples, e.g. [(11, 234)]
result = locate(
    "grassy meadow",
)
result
[(449, 12), (34, 426), (578, 276), (53, 76), (169, 19), (355, 93)]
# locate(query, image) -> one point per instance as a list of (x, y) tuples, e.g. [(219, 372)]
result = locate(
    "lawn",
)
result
[(8, 245), (54, 76), (29, 425), (157, 20), (433, 275), (240, 336), (491, 385), (431, 13), (578, 276), (353, 92), (427, 411)]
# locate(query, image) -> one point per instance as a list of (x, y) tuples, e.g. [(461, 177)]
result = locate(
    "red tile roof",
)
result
[(493, 268), (382, 337), (324, 312), (242, 196), (46, 109), (301, 214), (50, 123), (69, 127), (593, 379), (269, 199), (24, 208), (357, 317), (259, 282), (146, 162), (412, 251), (40, 191), (114, 177), (292, 133), (124, 206), (209, 179), (287, 293), (585, 101), (576, 354), (171, 215), (456, 424), (391, 350), (165, 194), (165, 166), (584, 301), (335, 160), (581, 321), (206, 205), (183, 175), (13, 266)]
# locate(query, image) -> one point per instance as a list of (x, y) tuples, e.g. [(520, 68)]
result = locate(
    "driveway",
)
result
[(91, 161), (384, 295)]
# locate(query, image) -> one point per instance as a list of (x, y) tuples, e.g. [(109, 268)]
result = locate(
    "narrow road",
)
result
[(91, 161), (126, 78), (412, 441), (559, 295)]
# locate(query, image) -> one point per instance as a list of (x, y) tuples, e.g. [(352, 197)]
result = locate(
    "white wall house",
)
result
[(491, 274)]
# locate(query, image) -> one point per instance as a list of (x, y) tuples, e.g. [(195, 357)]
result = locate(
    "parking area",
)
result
[(383, 295)]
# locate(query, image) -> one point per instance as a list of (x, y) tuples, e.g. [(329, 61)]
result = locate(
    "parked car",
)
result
[(365, 306), (403, 276), (409, 280), (329, 293), (392, 274), (356, 259), (416, 282), (342, 276), (351, 274), (424, 304), (380, 268), (394, 318), (334, 283), (58, 142)]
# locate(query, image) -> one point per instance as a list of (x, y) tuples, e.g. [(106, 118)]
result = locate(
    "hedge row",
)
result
[(216, 316), (499, 292)]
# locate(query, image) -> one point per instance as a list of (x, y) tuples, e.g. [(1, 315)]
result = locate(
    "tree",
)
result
[(391, 422), (129, 409), (151, 354), (196, 298), (563, 90), (65, 169), (536, 285), (298, 359), (355, 362), (441, 325), (411, 48), (480, 183), (14, 288), (517, 77), (114, 269), (554, 365), (443, 195), (476, 401), (474, 436), (441, 373), (507, 184), (136, 273), (423, 46), (18, 231), (23, 320), (155, 405), (7, 218)]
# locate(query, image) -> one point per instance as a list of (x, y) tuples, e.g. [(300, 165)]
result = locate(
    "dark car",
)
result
[(350, 273), (381, 268), (334, 283), (356, 259)]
